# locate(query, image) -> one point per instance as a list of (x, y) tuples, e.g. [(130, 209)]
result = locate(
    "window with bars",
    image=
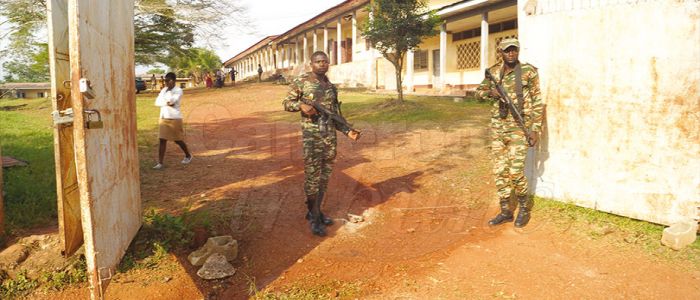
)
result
[(420, 60), (469, 55)]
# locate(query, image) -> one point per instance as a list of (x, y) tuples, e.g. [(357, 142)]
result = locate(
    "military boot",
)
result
[(506, 215), (326, 221), (524, 212), (309, 204), (315, 222)]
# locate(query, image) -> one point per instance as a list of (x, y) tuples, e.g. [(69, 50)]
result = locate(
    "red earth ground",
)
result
[(425, 192)]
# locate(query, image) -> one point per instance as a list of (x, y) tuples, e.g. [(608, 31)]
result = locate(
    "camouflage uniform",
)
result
[(319, 137), (509, 144)]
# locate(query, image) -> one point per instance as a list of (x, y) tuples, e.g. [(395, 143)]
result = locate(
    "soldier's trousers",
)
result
[(509, 149), (319, 156)]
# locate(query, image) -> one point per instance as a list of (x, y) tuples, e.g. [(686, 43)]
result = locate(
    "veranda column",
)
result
[(484, 41), (443, 54), (354, 35), (276, 57), (296, 51), (325, 39), (315, 44), (339, 37), (306, 47), (409, 71)]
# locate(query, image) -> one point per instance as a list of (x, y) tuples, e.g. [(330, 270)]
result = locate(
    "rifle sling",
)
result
[(519, 87)]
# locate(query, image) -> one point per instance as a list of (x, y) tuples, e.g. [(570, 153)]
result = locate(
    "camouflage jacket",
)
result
[(308, 88), (533, 106)]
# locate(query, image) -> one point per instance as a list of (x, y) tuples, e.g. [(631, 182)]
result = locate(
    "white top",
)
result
[(169, 102)]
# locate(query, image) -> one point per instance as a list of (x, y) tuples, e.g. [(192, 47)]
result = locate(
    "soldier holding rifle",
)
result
[(516, 122), (317, 99)]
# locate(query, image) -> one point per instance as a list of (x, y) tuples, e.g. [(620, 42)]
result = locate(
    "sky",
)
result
[(271, 17)]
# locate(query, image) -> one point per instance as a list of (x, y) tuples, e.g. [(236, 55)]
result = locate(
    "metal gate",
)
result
[(92, 74)]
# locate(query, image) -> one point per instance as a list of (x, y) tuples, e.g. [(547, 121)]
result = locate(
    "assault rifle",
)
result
[(511, 106), (333, 116)]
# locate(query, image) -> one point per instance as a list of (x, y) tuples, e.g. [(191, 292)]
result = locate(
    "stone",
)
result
[(216, 267), (224, 245), (680, 235), (13, 256), (355, 218)]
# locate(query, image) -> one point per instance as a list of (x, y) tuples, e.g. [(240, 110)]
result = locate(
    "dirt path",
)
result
[(425, 193)]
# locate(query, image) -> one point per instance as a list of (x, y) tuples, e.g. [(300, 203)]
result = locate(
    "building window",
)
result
[(469, 55), (40, 94), (493, 28), (467, 34), (420, 60)]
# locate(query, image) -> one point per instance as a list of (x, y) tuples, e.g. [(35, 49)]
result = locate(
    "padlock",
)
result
[(91, 124), (94, 124)]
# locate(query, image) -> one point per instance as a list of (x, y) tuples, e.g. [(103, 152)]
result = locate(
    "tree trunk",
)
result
[(397, 61), (399, 87)]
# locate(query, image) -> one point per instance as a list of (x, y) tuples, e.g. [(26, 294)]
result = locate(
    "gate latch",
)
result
[(62, 117)]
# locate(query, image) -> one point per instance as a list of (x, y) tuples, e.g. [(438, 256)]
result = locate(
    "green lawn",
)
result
[(30, 192), (369, 108), (26, 133)]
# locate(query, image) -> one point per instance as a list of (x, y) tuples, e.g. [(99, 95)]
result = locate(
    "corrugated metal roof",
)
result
[(251, 49), (323, 17), (26, 86), (319, 19)]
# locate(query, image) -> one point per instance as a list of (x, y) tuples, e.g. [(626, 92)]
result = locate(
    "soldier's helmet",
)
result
[(505, 43)]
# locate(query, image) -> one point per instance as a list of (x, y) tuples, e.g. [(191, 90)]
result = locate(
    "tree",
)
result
[(31, 66), (396, 27), (26, 54), (196, 62), (156, 71), (163, 29)]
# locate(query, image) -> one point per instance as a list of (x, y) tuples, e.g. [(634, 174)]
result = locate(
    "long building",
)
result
[(620, 79), (25, 90), (465, 47)]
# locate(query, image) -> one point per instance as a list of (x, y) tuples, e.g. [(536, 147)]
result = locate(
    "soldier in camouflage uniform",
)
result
[(509, 146), (318, 134)]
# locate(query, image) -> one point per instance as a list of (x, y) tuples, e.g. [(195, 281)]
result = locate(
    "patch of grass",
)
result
[(159, 235), (616, 229), (27, 134), (22, 285), (373, 109), (147, 127), (18, 287), (329, 290), (419, 111), (57, 281)]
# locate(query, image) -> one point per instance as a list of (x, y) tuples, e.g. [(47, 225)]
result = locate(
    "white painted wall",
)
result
[(621, 82)]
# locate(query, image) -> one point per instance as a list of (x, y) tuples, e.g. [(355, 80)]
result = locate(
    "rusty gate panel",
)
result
[(2, 201), (101, 40), (69, 226)]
